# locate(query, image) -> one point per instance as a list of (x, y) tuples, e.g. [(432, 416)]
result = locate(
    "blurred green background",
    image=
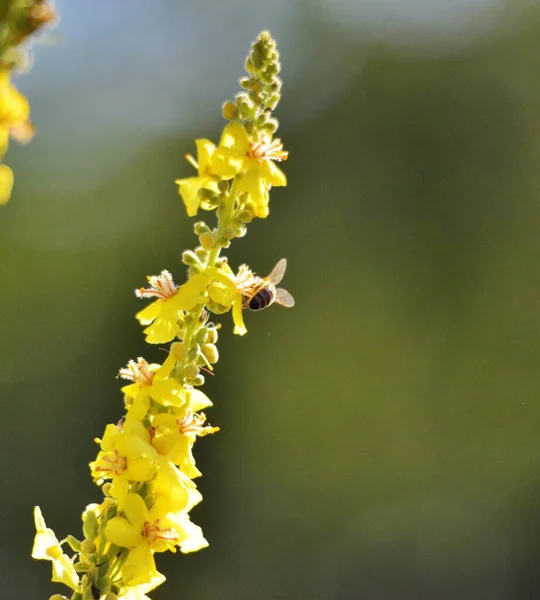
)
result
[(380, 441)]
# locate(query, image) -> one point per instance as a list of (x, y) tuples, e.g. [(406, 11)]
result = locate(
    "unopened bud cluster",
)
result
[(145, 464)]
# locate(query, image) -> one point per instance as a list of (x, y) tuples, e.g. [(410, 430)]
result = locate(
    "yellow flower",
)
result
[(47, 547), (175, 432), (151, 381), (165, 314), (146, 531), (138, 592), (190, 187), (254, 160), (6, 183), (14, 114), (14, 121), (181, 493), (126, 454), (224, 291)]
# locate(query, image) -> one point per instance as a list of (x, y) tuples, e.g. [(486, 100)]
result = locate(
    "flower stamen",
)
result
[(152, 532), (138, 372), (116, 464), (162, 286), (193, 425), (267, 149)]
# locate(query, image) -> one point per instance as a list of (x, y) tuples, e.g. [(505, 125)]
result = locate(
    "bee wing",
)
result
[(277, 272), (284, 298)]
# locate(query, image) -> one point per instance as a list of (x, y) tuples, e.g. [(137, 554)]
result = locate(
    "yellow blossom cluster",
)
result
[(145, 464), (19, 19)]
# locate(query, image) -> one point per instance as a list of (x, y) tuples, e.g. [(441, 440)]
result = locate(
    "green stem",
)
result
[(223, 223)]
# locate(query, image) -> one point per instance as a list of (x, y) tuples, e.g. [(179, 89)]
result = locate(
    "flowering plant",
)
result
[(145, 465)]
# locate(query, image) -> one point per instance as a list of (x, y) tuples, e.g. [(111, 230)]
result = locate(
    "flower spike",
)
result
[(145, 463)]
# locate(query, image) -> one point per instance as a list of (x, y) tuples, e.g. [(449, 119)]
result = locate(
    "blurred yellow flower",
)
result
[(47, 547), (14, 122)]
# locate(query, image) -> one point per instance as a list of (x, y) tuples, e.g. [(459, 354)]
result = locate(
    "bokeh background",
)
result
[(380, 441)]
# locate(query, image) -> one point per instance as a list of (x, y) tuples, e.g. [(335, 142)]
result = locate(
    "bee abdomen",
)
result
[(262, 299)]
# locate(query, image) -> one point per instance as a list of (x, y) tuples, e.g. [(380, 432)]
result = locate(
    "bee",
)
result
[(260, 293)]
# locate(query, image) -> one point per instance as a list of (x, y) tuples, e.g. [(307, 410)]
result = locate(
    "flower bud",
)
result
[(179, 351), (271, 126), (230, 111), (190, 259), (90, 524), (208, 240), (245, 105), (191, 371), (211, 353), (199, 380), (200, 227), (229, 233), (212, 335), (202, 336), (251, 207), (88, 547), (193, 352), (262, 119), (106, 488), (257, 58), (201, 253), (249, 66), (58, 597), (245, 216)]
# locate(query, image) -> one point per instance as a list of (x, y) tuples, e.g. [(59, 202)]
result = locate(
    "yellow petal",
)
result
[(110, 437), (273, 174), (168, 392), (140, 406), (138, 592), (141, 469), (64, 572), (140, 566), (119, 490), (136, 510), (122, 533), (221, 294), (205, 149), (131, 390), (190, 294), (150, 312), (166, 368), (198, 400), (238, 318), (6, 183), (183, 457), (191, 536), (235, 136), (161, 331), (189, 190), (226, 163), (46, 546)]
